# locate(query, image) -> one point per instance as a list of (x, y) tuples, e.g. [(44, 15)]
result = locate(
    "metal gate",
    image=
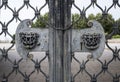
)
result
[(59, 63)]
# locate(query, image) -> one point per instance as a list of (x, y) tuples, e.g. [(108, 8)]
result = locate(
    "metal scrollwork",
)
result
[(91, 41), (79, 69), (29, 40)]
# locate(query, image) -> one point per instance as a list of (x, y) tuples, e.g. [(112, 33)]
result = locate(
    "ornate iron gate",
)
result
[(57, 64)]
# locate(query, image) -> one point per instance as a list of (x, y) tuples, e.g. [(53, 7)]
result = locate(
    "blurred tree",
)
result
[(118, 21), (91, 16), (41, 22), (107, 22), (77, 22)]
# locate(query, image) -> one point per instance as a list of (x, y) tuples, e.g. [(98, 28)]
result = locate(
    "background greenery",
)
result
[(106, 21)]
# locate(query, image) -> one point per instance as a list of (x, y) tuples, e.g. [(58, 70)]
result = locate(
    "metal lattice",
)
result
[(85, 66), (39, 64), (17, 63)]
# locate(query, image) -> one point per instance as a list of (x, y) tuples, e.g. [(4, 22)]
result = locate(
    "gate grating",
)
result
[(102, 69), (13, 68)]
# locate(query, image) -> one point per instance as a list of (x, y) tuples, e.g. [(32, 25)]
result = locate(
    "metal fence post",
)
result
[(59, 41)]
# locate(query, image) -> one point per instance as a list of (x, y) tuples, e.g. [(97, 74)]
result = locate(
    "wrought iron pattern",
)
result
[(91, 41), (15, 63), (29, 39), (104, 65)]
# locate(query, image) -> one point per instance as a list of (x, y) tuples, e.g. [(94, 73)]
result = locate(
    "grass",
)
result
[(116, 37)]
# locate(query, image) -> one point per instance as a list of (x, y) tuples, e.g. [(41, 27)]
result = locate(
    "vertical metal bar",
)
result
[(59, 41), (67, 41), (56, 42)]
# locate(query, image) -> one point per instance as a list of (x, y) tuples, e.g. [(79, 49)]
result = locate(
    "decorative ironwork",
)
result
[(104, 66), (91, 41), (29, 40), (15, 63)]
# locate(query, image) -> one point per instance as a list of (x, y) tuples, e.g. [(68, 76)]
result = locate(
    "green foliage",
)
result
[(77, 22), (41, 22), (92, 16), (116, 36), (107, 22), (118, 21)]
